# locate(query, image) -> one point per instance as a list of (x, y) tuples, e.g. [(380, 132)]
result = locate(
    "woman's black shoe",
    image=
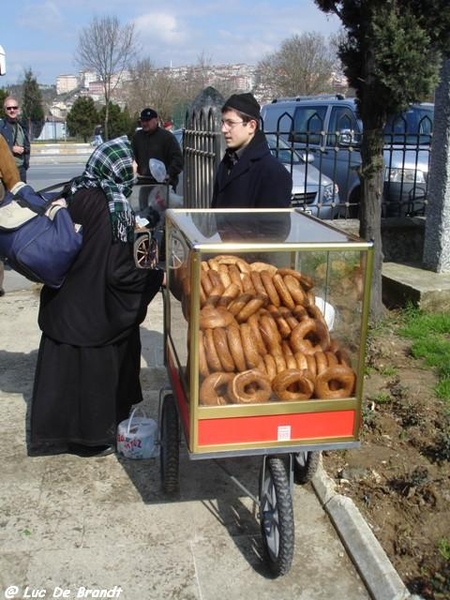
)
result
[(87, 451)]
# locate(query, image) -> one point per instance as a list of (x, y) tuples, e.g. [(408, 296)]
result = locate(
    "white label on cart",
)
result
[(284, 433)]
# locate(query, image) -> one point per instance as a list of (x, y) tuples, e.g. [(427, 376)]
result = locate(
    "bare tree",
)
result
[(155, 88), (303, 66), (139, 87), (106, 48)]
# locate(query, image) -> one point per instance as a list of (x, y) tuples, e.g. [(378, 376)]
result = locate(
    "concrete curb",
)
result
[(374, 567)]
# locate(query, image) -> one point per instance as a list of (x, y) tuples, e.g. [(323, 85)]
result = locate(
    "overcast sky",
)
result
[(43, 34)]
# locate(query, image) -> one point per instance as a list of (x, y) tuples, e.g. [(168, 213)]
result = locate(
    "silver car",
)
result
[(312, 191)]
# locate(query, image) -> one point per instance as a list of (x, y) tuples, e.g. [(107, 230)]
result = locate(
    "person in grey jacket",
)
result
[(16, 136)]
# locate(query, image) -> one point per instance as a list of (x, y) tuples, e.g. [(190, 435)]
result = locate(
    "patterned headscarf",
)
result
[(110, 167)]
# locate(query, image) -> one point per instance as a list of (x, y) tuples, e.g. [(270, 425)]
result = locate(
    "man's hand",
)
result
[(18, 149)]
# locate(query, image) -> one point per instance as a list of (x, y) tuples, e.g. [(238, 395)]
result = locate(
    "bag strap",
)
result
[(22, 200), (138, 409), (55, 186), (24, 203)]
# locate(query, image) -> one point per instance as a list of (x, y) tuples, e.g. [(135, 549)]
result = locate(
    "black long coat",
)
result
[(87, 373), (257, 180)]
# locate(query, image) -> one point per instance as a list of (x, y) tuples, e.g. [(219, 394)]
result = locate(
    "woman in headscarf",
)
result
[(87, 374)]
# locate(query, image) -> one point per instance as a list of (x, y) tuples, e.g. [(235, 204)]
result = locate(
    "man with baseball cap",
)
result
[(249, 176), (152, 141)]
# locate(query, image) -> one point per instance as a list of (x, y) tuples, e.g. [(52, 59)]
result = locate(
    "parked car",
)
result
[(312, 192), (327, 129)]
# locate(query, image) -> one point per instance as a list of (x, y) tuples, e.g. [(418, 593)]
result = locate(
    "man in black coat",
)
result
[(249, 176)]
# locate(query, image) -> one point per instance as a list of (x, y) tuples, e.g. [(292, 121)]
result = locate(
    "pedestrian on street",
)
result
[(153, 141), (16, 135), (9, 176), (249, 176), (98, 139), (87, 373)]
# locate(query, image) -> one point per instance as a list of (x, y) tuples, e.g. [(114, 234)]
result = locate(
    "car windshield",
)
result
[(283, 151), (414, 126)]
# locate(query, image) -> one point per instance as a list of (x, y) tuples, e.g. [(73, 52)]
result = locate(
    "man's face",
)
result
[(11, 109), (149, 125), (237, 134)]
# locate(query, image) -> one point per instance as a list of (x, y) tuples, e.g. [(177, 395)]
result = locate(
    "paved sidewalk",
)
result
[(74, 527)]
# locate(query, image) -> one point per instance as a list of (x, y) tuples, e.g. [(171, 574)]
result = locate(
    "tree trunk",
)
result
[(373, 118), (370, 213)]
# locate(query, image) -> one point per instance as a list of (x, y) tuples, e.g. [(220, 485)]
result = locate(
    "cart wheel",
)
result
[(170, 450), (277, 516), (305, 466), (145, 252)]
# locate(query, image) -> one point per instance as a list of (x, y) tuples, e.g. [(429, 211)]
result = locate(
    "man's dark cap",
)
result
[(148, 113), (244, 103)]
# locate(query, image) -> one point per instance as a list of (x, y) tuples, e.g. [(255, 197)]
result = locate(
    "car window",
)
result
[(413, 126), (343, 122), (283, 151), (309, 121)]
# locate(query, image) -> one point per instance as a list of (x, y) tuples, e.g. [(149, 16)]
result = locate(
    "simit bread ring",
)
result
[(309, 336), (335, 382), (306, 281), (271, 291), (262, 266), (230, 293), (252, 356), (283, 292), (302, 362), (249, 387), (321, 361), (214, 389), (249, 309), (291, 362), (222, 349), (229, 259), (270, 334), (270, 366), (212, 357), (224, 275), (311, 364), (247, 284), (258, 284), (215, 316), (292, 385), (253, 321), (235, 347), (202, 363), (282, 324), (235, 276), (206, 282), (238, 303), (295, 289)]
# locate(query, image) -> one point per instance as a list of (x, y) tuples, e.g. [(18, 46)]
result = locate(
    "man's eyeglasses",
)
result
[(11, 107), (229, 124)]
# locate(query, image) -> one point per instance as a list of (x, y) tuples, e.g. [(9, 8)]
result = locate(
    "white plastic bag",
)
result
[(137, 437), (158, 170)]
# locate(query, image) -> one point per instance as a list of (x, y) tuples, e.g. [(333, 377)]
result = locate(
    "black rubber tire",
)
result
[(305, 466), (170, 449), (276, 517)]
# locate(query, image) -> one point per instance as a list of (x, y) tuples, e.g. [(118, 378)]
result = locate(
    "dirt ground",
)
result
[(400, 477)]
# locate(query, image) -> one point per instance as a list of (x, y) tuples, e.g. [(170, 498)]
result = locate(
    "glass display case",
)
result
[(265, 324)]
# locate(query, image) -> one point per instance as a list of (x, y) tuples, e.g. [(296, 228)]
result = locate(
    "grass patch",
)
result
[(430, 336)]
